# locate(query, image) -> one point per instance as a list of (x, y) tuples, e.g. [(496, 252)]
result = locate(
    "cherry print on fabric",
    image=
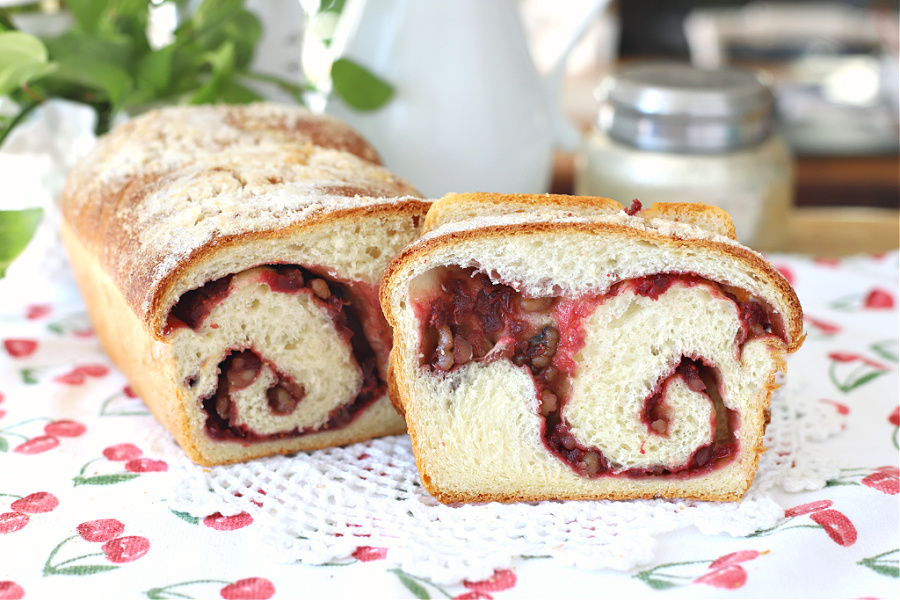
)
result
[(135, 464), (894, 419), (10, 590), (77, 325), (874, 299), (821, 328), (885, 563), (11, 522), (849, 370), (883, 479), (124, 403), (37, 311), (501, 580), (38, 502), (228, 523), (725, 572), (835, 523), (115, 548), (878, 299), (80, 374), (841, 408), (369, 553), (249, 588), (20, 348), (52, 431)]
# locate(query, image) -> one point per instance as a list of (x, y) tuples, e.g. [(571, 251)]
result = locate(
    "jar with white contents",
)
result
[(669, 132)]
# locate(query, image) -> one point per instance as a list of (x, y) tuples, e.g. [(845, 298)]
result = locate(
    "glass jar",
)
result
[(668, 132)]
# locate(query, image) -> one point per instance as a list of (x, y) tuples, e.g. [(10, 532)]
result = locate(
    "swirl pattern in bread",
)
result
[(554, 347), (230, 258)]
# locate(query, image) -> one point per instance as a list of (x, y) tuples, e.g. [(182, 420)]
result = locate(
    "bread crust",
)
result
[(180, 197), (459, 223)]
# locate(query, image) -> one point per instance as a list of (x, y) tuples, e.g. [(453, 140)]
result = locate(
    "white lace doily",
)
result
[(318, 507)]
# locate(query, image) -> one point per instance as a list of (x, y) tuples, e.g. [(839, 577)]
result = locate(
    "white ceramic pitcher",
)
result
[(469, 112)]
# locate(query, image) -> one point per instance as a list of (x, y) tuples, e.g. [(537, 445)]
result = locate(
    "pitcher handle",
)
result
[(566, 135)]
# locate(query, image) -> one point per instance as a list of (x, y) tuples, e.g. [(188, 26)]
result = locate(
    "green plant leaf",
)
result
[(417, 589), (4, 444), (108, 79), (16, 229), (154, 70), (185, 517), (81, 569), (883, 565), (359, 87), (887, 349), (23, 58), (103, 479)]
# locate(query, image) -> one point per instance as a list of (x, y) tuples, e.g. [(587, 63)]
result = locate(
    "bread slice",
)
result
[(230, 259), (550, 347)]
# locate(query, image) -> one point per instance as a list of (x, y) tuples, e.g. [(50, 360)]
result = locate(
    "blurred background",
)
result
[(510, 87)]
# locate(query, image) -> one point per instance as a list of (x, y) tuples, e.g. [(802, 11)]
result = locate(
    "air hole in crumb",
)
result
[(373, 251)]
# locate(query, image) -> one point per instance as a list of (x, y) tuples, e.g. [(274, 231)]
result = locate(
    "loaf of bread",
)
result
[(230, 258), (556, 347)]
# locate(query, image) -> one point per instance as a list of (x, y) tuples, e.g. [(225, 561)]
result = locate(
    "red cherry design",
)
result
[(502, 579), (2, 413), (836, 525), (369, 553), (810, 507), (121, 452), (824, 326), (730, 577), (18, 348), (101, 530), (894, 419), (38, 502), (145, 465), (12, 521), (842, 409), (129, 393), (251, 588), (10, 590), (733, 559), (70, 378), (473, 596), (884, 479), (850, 357), (36, 445), (126, 549), (93, 370), (877, 299), (36, 311), (64, 428), (230, 523)]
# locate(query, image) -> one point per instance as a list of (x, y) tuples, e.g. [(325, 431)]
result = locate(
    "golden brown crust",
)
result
[(705, 216), (131, 213), (455, 207), (183, 196), (793, 326)]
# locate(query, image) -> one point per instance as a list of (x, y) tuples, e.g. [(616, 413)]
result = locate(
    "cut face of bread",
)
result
[(230, 259), (572, 357)]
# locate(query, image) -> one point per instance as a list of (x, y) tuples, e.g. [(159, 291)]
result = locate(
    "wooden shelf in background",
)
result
[(833, 232)]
